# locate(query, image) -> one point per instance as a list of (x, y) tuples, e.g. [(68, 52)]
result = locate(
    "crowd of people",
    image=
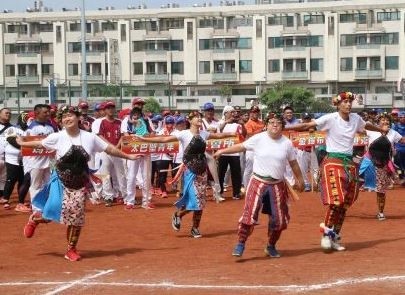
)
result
[(265, 167)]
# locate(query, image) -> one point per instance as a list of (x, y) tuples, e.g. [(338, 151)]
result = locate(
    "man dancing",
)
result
[(339, 184)]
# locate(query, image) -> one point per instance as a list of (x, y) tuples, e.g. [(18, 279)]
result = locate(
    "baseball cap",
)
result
[(157, 118), (83, 105), (169, 120), (208, 106), (98, 106), (137, 100), (109, 104), (228, 109), (401, 114), (180, 120), (306, 115)]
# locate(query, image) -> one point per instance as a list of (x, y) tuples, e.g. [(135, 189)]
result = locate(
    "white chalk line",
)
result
[(68, 285), (170, 285)]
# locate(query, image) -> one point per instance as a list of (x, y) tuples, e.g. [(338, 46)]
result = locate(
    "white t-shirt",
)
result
[(340, 133), (61, 142), (214, 124), (178, 158), (95, 126), (3, 141), (12, 154), (185, 137), (38, 162), (124, 124), (270, 156), (392, 135), (233, 128)]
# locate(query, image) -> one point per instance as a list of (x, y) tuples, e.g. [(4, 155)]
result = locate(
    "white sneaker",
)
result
[(337, 247), (381, 216), (326, 243)]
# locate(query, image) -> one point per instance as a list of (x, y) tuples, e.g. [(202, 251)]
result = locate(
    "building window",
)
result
[(10, 70), (314, 19), (346, 64), (138, 46), (387, 16), (301, 65), (73, 69), (204, 67), (316, 65), (286, 21), (274, 65), (391, 62), (123, 32), (47, 69), (138, 68), (360, 18), (176, 45), (288, 65), (58, 34), (189, 31), (204, 44), (245, 66), (375, 63), (244, 43), (259, 29), (362, 63), (178, 68), (109, 26)]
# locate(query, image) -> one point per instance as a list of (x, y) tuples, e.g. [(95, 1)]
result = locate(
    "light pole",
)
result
[(83, 43), (18, 96)]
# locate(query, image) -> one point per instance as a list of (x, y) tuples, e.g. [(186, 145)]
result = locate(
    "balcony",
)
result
[(368, 46), (27, 54), (95, 78), (368, 74), (225, 77), (34, 79), (295, 75), (156, 78), (294, 48), (156, 52), (223, 50)]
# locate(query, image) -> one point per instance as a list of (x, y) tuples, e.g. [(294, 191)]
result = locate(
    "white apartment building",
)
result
[(185, 57)]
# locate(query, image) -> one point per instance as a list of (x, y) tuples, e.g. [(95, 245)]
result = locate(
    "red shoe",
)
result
[(29, 229), (129, 207), (22, 208), (72, 255)]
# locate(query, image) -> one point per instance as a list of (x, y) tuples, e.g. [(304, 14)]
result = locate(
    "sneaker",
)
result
[(336, 246), (242, 190), (108, 203), (164, 195), (119, 201), (238, 250), (7, 206), (195, 233), (176, 222), (271, 251), (129, 206), (381, 216), (326, 243), (72, 255), (307, 187), (22, 208), (29, 229), (148, 206), (218, 197), (236, 197)]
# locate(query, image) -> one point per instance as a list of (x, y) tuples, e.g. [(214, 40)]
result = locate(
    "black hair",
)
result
[(41, 106)]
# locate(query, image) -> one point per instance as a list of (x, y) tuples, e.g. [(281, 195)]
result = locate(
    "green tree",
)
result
[(299, 98), (225, 91), (151, 105)]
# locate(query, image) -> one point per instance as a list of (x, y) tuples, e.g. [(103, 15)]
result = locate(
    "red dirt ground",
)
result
[(141, 248)]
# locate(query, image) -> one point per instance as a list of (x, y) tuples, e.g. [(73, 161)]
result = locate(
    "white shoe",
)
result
[(381, 216), (218, 198), (326, 243), (337, 247)]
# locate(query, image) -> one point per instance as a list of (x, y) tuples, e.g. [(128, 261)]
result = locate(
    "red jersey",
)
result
[(111, 130)]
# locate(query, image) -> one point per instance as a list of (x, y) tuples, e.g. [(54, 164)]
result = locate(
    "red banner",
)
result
[(134, 145), (28, 151)]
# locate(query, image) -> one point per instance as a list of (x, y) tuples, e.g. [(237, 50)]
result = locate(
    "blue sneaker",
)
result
[(271, 251), (307, 187), (238, 251)]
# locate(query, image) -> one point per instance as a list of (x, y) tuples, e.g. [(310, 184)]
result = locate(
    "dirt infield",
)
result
[(137, 252)]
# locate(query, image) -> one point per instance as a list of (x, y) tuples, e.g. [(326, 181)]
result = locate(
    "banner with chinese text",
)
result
[(309, 139), (28, 151)]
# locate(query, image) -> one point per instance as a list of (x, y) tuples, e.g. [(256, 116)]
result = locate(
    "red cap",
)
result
[(137, 100), (109, 104), (83, 105), (123, 113)]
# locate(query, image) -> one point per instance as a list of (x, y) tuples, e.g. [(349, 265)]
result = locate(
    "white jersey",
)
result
[(37, 162), (3, 141), (340, 133), (95, 126), (185, 137), (270, 156), (213, 125), (392, 135), (233, 128), (178, 158), (13, 154)]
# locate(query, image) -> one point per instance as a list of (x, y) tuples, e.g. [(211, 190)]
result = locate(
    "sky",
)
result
[(21, 5)]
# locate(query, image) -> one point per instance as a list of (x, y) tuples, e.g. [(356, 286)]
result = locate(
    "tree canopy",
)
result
[(299, 98), (151, 105)]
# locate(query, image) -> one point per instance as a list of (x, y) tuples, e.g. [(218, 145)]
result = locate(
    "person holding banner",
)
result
[(71, 176), (193, 170), (376, 168), (339, 183), (267, 188)]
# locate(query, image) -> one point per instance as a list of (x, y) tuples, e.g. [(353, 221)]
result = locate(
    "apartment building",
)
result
[(186, 56)]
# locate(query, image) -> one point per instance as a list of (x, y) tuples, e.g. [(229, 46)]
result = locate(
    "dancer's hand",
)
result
[(217, 154)]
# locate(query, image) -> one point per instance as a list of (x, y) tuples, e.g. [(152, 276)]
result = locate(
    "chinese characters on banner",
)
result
[(133, 145), (28, 151), (309, 139)]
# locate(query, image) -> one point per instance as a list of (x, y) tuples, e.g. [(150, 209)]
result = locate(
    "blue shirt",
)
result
[(400, 128)]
